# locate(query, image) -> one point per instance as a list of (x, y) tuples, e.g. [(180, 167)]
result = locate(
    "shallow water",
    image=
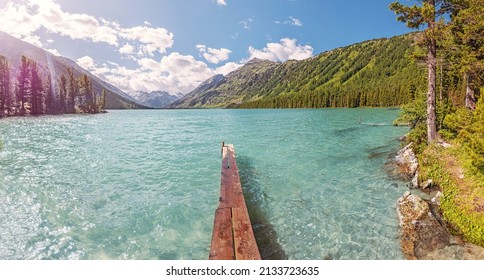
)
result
[(145, 184)]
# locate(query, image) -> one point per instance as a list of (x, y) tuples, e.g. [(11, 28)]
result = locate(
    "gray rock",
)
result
[(436, 199), (407, 161), (426, 184), (465, 251), (415, 180), (421, 233)]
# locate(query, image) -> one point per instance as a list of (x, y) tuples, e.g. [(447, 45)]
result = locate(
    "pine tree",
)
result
[(36, 90), (23, 84), (103, 100), (50, 98), (466, 47), (72, 90), (4, 85), (415, 17), (62, 95), (89, 97)]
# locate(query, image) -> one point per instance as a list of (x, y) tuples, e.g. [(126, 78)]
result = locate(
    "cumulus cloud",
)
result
[(214, 56), (221, 2), (174, 73), (152, 39), (227, 68), (25, 18), (284, 50), (126, 49), (86, 62)]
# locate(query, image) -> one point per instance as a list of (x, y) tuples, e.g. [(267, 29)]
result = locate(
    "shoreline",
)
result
[(423, 232)]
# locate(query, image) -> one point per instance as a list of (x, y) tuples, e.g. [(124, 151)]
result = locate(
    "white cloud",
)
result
[(227, 68), (25, 18), (284, 50), (173, 73), (54, 52), (214, 56), (292, 21), (295, 22), (86, 62), (151, 39), (221, 2), (126, 49)]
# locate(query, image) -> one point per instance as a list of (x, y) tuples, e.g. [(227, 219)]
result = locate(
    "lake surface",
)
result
[(145, 184)]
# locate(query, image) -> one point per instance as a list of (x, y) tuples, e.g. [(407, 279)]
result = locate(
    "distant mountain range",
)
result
[(155, 99), (13, 49), (378, 72)]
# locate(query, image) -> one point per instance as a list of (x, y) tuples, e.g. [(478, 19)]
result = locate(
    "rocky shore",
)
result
[(423, 232)]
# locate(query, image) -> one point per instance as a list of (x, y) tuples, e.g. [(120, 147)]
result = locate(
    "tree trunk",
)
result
[(431, 127), (432, 71), (470, 94)]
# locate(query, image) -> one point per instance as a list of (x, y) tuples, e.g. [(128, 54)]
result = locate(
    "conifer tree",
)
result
[(103, 100), (89, 98), (72, 90), (23, 83), (36, 90), (466, 47), (415, 17), (50, 98), (62, 95), (4, 85)]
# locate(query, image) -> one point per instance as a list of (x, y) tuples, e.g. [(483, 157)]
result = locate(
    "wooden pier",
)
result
[(232, 237)]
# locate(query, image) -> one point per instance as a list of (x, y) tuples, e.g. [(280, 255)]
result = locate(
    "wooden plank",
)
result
[(222, 247), (244, 239), (232, 237), (227, 180)]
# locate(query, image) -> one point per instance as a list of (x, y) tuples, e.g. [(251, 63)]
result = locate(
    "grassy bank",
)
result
[(462, 203)]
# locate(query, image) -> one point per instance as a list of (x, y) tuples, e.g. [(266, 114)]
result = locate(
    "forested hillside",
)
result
[(379, 72)]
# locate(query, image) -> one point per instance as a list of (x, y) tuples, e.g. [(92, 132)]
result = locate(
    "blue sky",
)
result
[(173, 45)]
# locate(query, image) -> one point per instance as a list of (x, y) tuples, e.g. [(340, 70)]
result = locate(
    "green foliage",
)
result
[(462, 198), (456, 122), (413, 114), (472, 139)]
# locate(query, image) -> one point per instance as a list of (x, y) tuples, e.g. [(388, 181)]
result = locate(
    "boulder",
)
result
[(421, 233), (407, 161), (426, 184), (414, 183), (465, 251)]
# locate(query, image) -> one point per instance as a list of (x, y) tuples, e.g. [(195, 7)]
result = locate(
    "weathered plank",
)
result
[(222, 247), (244, 240), (241, 238)]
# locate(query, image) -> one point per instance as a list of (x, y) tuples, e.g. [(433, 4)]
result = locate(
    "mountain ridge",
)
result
[(155, 99), (375, 72)]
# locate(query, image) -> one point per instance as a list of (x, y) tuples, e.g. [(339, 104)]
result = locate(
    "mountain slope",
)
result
[(372, 73), (13, 49), (155, 99)]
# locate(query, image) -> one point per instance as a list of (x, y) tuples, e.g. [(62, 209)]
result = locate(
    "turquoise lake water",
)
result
[(145, 184)]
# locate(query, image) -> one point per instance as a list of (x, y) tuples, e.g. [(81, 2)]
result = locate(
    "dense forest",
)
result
[(447, 122), (374, 73), (32, 91)]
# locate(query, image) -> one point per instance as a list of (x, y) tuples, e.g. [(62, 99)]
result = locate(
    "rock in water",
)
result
[(421, 233), (407, 161)]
